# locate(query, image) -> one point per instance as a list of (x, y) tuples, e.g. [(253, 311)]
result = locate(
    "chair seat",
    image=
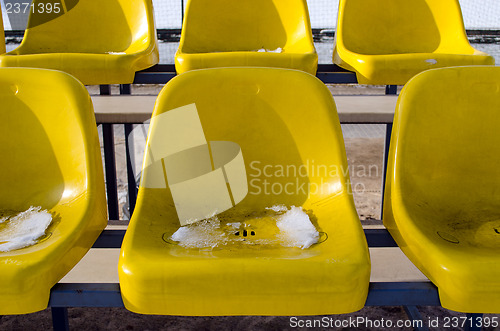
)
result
[(387, 43), (397, 69), (97, 42), (159, 277), (459, 256), (307, 61), (441, 202), (53, 161), (90, 69), (278, 118), (219, 33)]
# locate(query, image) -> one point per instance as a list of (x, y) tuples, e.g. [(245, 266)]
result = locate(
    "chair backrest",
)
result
[(445, 147), (48, 139), (282, 122), (2, 36), (393, 27), (244, 25), (89, 26)]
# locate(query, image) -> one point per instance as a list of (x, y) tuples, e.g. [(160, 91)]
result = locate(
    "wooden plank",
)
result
[(137, 109), (366, 108), (123, 108)]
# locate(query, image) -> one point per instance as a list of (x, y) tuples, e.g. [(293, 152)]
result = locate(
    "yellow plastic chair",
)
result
[(281, 127), (2, 35), (50, 159), (442, 203), (98, 42), (388, 42), (225, 33)]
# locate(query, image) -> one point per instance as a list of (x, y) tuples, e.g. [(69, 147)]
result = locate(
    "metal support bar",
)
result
[(153, 77), (379, 238), (110, 239), (104, 89), (60, 321), (170, 68), (403, 293), (414, 315), (132, 188), (337, 77), (108, 294), (391, 89), (387, 143), (132, 193), (86, 295), (125, 89), (110, 168)]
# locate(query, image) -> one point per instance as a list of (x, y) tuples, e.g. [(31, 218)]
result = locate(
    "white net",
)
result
[(478, 14), (481, 14), (323, 13), (168, 14)]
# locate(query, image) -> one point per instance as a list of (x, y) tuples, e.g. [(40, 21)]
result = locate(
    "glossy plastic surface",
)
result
[(98, 42), (442, 201), (222, 33), (51, 158), (388, 42), (281, 119), (2, 36)]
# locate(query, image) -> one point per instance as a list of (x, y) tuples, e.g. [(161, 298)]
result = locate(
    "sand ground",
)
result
[(362, 153)]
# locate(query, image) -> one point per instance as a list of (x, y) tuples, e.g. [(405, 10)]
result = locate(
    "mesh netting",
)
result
[(168, 14), (481, 14), (478, 14), (323, 13)]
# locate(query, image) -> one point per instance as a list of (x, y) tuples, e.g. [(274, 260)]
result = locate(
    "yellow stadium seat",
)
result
[(2, 36), (274, 140), (98, 42), (50, 159), (442, 203), (263, 33), (388, 42)]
